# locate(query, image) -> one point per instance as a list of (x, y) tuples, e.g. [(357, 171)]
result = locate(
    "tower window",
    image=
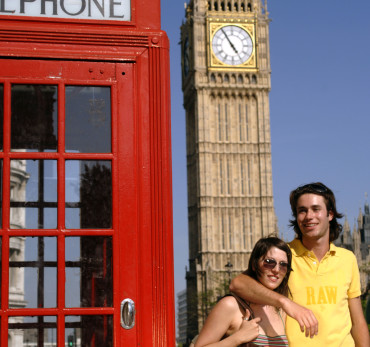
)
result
[(254, 79), (231, 243), (219, 122), (244, 226), (240, 123), (226, 124), (221, 177), (228, 187), (250, 231), (247, 123), (223, 231), (242, 177), (249, 177)]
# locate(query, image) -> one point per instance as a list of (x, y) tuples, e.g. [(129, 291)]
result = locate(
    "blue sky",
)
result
[(319, 107)]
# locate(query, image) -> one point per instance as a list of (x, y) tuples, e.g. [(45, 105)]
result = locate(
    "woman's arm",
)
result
[(225, 317)]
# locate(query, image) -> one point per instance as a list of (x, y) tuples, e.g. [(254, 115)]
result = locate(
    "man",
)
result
[(324, 283)]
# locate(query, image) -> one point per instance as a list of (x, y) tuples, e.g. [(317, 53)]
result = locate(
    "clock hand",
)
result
[(227, 38)]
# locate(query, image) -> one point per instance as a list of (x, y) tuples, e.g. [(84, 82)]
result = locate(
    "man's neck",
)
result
[(319, 247)]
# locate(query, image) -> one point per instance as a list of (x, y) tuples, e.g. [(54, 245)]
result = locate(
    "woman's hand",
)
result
[(248, 330)]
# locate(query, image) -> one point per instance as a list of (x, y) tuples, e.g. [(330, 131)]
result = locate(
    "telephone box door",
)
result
[(70, 195)]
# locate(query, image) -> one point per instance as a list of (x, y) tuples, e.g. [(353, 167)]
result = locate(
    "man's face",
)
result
[(312, 217)]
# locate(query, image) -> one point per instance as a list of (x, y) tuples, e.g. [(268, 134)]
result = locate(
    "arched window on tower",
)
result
[(236, 7), (244, 230), (223, 245), (254, 79), (226, 123), (246, 124), (230, 233), (221, 178), (222, 6), (219, 122), (228, 183), (242, 180), (229, 6), (215, 6), (249, 7), (249, 172)]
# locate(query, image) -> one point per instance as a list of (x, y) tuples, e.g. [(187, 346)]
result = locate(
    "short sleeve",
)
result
[(354, 289)]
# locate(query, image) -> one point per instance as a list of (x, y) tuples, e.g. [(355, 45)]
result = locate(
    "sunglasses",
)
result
[(270, 264), (314, 187)]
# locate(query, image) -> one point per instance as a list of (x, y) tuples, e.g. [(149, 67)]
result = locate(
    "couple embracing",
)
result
[(306, 293)]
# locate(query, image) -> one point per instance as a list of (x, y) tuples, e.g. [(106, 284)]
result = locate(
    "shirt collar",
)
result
[(299, 250)]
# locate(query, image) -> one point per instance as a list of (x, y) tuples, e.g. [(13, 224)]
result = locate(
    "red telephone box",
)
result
[(86, 211)]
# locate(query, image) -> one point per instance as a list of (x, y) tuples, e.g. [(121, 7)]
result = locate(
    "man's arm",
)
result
[(253, 291), (359, 331)]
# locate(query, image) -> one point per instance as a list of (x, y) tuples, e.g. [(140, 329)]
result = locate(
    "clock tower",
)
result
[(226, 84)]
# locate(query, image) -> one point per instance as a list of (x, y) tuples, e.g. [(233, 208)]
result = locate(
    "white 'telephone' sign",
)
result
[(72, 9)]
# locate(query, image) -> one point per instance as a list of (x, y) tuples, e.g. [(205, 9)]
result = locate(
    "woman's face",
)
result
[(273, 268)]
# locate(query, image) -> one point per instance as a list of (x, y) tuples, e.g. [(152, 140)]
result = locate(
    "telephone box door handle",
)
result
[(127, 314)]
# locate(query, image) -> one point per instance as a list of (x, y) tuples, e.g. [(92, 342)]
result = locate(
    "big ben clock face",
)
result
[(232, 46)]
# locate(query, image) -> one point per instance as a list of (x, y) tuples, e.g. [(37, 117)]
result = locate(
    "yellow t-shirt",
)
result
[(324, 287)]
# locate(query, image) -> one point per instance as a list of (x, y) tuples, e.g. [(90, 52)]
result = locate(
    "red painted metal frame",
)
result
[(144, 15), (145, 47)]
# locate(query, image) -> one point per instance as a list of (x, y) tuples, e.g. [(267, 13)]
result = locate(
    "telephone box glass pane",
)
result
[(34, 114), (1, 115), (1, 266), (89, 331), (33, 194), (88, 192), (32, 331), (1, 193), (89, 281), (88, 119), (32, 272)]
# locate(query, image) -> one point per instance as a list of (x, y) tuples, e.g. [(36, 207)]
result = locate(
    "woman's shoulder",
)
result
[(226, 311), (228, 301)]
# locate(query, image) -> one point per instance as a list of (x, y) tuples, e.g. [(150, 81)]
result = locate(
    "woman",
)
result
[(233, 322)]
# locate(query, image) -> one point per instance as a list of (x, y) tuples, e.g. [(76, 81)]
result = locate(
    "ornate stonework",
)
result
[(230, 200)]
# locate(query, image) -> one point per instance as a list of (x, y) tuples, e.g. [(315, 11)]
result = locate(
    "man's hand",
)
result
[(305, 317), (253, 291)]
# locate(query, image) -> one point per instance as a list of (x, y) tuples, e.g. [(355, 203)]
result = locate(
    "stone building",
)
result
[(18, 181), (358, 241), (226, 84), (181, 317)]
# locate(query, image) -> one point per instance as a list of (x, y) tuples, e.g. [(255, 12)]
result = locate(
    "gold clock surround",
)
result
[(214, 63)]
